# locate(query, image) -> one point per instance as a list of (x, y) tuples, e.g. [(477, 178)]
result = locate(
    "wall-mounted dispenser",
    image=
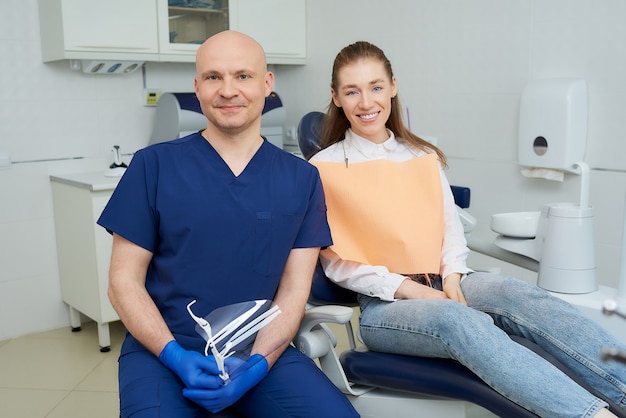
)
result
[(105, 67), (552, 137), (553, 123)]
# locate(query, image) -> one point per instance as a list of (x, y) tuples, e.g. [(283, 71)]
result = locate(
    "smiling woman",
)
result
[(365, 98), (365, 92), (408, 264)]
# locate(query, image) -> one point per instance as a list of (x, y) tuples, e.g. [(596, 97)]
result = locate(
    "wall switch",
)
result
[(151, 96), (5, 161)]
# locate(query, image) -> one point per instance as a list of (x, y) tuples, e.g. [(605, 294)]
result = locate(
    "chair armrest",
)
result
[(317, 341), (314, 338), (467, 220), (335, 314)]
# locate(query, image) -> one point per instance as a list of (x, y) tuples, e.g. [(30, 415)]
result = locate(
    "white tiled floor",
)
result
[(62, 374)]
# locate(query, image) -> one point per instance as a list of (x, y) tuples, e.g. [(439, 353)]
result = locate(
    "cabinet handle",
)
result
[(113, 47)]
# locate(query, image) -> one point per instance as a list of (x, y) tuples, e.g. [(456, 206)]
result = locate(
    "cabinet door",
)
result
[(110, 26), (183, 26), (278, 25), (103, 245)]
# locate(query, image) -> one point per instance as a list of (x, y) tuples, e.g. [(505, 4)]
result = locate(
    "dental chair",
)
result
[(386, 385), (382, 385)]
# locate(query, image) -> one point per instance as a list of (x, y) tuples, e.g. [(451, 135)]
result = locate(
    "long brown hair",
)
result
[(336, 123)]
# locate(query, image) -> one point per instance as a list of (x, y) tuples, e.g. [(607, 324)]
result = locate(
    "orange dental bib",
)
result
[(386, 213)]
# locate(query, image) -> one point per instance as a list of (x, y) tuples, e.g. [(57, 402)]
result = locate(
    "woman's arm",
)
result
[(454, 250), (375, 281)]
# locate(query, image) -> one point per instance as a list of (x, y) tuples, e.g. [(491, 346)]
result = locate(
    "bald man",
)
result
[(221, 216)]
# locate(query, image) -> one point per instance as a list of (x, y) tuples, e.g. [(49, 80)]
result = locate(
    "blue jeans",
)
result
[(477, 336)]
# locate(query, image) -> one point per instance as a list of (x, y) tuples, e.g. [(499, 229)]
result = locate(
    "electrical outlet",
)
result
[(151, 96)]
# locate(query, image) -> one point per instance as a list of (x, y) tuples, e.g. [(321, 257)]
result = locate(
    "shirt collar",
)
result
[(368, 147)]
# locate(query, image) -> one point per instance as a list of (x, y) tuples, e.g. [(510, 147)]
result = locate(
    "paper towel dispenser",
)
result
[(553, 123), (179, 114)]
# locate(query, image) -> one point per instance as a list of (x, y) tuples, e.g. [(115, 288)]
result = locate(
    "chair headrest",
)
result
[(310, 133)]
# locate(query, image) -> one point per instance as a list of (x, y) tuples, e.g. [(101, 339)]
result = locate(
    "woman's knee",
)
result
[(486, 289), (422, 327)]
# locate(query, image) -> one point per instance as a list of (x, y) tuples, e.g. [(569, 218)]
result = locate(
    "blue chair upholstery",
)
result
[(461, 196), (310, 133)]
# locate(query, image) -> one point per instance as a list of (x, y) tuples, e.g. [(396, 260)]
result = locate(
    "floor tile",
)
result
[(103, 378), (30, 403), (57, 359), (80, 404), (88, 334), (45, 363)]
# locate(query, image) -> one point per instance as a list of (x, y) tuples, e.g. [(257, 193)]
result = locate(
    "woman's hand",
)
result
[(452, 288), (410, 289)]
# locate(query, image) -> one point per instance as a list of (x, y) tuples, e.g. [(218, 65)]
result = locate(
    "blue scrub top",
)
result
[(215, 237)]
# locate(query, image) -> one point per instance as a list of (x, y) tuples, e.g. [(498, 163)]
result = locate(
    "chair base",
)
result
[(380, 403)]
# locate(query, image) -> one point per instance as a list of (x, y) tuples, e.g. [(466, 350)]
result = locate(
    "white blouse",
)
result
[(378, 281)]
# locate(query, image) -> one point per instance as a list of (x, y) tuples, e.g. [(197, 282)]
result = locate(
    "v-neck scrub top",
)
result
[(215, 237)]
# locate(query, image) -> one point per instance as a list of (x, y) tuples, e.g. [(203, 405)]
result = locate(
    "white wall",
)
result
[(461, 67), (72, 120)]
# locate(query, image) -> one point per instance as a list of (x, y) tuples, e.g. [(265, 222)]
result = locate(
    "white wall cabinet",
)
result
[(278, 25), (84, 248), (158, 30), (183, 29), (98, 30)]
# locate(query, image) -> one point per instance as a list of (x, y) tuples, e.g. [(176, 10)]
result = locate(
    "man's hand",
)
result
[(194, 369), (243, 377)]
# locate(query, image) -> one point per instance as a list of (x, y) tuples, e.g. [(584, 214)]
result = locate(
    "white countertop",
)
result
[(94, 181)]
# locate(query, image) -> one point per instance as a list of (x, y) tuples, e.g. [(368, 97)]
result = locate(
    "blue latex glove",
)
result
[(243, 377), (194, 369)]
